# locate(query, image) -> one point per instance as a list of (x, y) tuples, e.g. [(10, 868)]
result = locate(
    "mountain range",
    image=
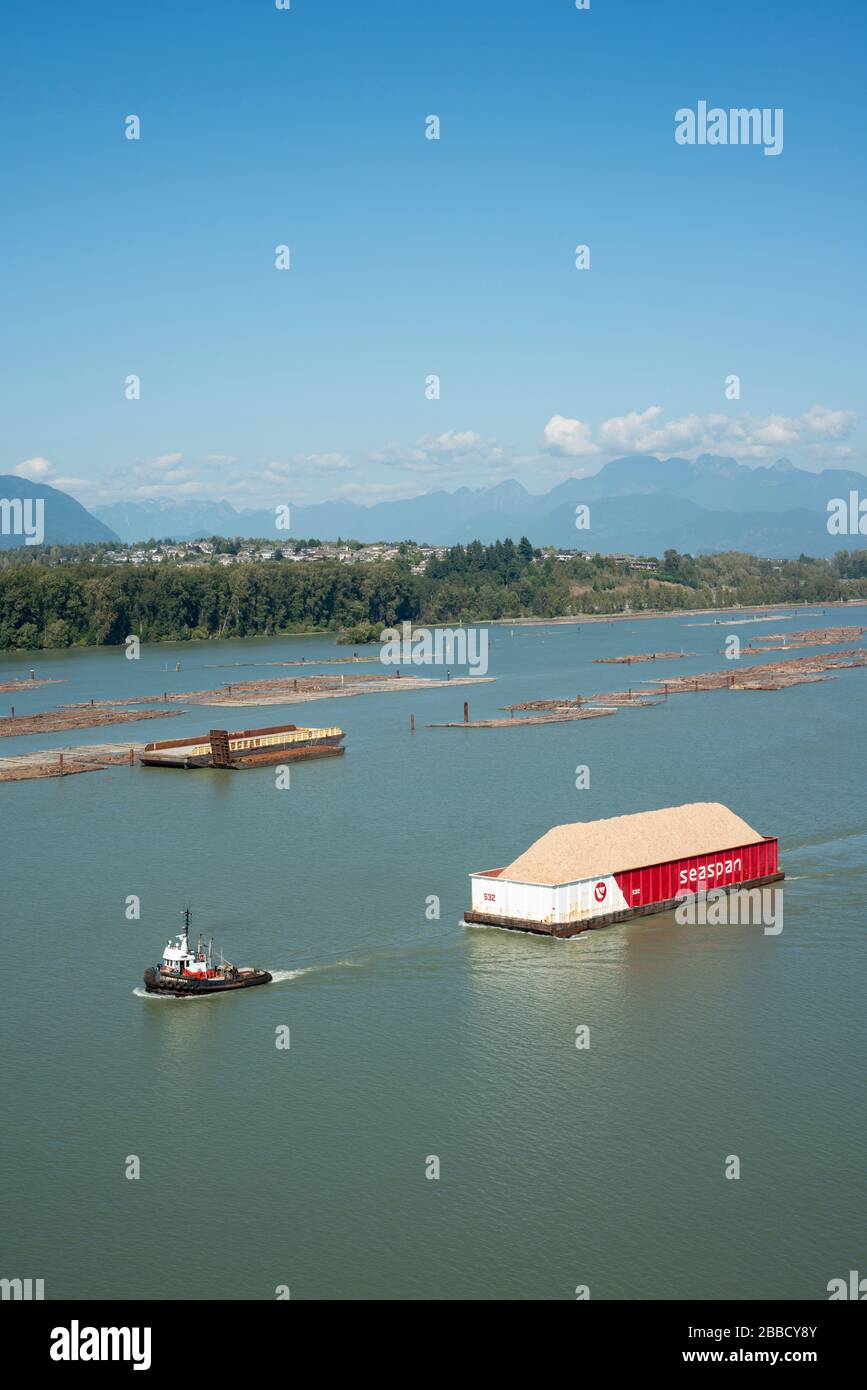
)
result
[(639, 503)]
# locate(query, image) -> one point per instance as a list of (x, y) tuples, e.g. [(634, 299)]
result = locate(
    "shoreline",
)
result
[(807, 608), (564, 620)]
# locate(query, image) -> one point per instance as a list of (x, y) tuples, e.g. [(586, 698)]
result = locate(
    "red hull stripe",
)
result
[(659, 882)]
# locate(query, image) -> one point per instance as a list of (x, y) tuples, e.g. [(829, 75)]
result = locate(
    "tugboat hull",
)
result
[(157, 983)]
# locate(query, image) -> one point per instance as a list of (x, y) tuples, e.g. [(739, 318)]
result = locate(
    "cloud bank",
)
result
[(819, 432)]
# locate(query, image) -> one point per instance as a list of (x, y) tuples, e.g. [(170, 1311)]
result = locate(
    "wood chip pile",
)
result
[(588, 849)]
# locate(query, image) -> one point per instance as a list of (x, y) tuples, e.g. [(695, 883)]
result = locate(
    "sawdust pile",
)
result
[(588, 849)]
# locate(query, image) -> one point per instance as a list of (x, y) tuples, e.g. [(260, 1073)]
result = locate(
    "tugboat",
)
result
[(184, 972)]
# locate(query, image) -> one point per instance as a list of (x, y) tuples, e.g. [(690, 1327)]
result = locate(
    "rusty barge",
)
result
[(246, 747)]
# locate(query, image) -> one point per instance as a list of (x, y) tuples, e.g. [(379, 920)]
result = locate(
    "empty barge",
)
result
[(246, 747), (594, 873)]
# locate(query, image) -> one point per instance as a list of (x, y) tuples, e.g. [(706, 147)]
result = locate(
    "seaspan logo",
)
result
[(599, 892), (721, 868)]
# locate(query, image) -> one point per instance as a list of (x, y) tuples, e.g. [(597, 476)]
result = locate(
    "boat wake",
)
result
[(278, 977), (141, 993)]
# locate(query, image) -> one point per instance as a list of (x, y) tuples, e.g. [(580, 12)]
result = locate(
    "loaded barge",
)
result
[(246, 747), (593, 873)]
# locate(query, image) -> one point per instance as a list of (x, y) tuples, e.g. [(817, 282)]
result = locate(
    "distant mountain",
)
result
[(190, 520), (723, 484), (638, 503), (64, 521), (164, 519)]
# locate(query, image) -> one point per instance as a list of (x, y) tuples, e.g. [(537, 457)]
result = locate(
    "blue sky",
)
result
[(410, 256)]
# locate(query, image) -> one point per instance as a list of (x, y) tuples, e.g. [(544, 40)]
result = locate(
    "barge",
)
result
[(246, 747), (594, 873)]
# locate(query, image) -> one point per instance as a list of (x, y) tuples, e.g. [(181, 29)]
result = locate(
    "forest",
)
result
[(51, 597)]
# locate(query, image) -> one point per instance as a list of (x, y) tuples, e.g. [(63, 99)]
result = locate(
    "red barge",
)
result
[(594, 873)]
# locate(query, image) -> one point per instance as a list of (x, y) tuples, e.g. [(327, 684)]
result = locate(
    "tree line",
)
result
[(60, 599)]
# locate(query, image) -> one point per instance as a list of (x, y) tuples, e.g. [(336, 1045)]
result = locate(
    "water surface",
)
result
[(412, 1036)]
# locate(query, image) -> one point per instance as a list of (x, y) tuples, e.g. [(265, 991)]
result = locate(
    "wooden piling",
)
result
[(466, 711), (61, 764), (412, 723)]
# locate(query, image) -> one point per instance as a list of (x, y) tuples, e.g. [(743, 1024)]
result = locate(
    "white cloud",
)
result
[(308, 465), (164, 476), (572, 437), (774, 431), (819, 437), (818, 431), (38, 470), (456, 441), (830, 424), (451, 452)]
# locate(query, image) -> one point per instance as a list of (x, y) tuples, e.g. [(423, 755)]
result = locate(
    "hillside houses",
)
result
[(201, 552)]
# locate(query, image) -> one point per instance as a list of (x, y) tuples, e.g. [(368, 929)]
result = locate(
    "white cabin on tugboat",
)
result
[(179, 960)]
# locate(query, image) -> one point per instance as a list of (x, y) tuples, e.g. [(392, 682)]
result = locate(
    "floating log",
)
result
[(563, 717), (641, 656), (809, 637), (608, 697), (65, 762), (771, 675), (297, 690), (86, 717), (30, 684)]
